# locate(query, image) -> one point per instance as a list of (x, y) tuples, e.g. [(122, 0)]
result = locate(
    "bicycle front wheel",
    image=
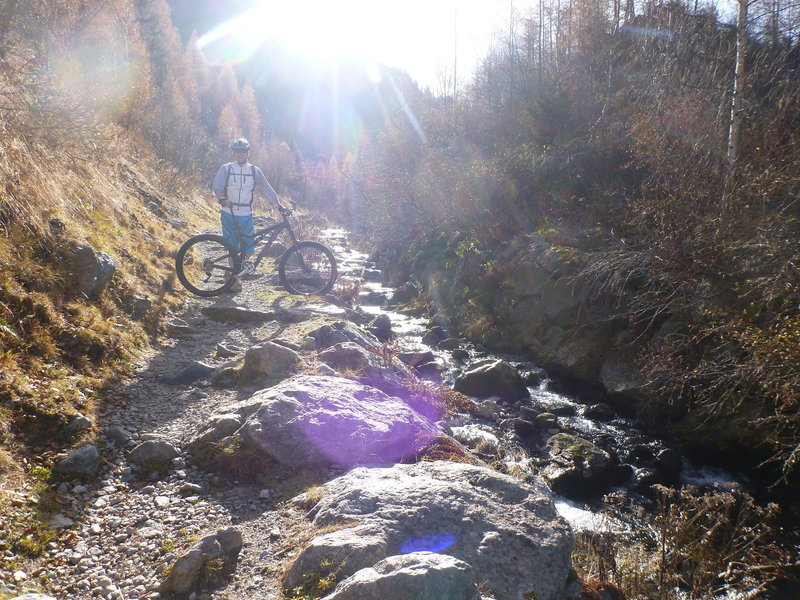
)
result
[(205, 265), (307, 268)]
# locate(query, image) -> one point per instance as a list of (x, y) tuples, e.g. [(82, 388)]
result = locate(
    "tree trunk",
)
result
[(738, 86)]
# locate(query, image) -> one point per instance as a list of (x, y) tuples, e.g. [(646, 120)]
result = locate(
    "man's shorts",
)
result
[(244, 225)]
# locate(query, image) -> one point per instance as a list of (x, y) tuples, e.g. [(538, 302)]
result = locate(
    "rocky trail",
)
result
[(285, 396)]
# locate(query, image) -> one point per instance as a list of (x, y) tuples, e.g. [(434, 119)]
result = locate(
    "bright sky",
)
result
[(423, 37)]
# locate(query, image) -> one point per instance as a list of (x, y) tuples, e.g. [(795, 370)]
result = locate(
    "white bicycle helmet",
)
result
[(240, 144)]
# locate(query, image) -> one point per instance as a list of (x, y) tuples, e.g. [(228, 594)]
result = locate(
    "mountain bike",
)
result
[(208, 265)]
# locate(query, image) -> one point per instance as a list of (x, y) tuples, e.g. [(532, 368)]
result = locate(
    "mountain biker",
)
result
[(234, 186)]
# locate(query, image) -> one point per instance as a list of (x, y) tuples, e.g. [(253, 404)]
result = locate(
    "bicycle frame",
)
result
[(258, 235)]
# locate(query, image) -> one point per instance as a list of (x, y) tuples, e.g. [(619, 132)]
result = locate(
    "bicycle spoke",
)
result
[(308, 268), (204, 265)]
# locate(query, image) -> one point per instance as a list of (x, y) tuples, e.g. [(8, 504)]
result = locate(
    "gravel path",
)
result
[(127, 530)]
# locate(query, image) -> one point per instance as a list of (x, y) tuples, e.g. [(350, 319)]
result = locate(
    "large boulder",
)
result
[(91, 270), (507, 531), (492, 378), (418, 575), (317, 420), (576, 356)]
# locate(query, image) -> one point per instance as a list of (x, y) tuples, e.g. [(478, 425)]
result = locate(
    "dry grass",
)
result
[(59, 350), (697, 545)]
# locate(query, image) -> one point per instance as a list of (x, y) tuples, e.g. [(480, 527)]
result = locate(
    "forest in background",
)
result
[(599, 129)]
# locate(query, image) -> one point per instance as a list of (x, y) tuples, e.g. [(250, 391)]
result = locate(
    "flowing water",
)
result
[(617, 435)]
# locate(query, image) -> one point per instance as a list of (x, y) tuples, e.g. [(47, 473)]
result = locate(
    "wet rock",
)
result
[(488, 409), (532, 378), (492, 378), (599, 412), (460, 354), (381, 328), (529, 413), (188, 374), (417, 358), (269, 359), (451, 344), (547, 421), (373, 275), (404, 294), (670, 463), (564, 410), (641, 454), (374, 298), (644, 479), (82, 462), (508, 532), (579, 469), (419, 575), (529, 432), (33, 597), (433, 336)]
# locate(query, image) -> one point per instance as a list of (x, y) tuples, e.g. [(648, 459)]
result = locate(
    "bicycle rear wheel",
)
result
[(307, 268), (203, 265)]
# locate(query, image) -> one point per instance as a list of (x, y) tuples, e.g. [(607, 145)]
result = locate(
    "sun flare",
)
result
[(321, 29)]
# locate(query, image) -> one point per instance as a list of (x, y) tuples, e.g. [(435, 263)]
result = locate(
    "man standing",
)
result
[(235, 186)]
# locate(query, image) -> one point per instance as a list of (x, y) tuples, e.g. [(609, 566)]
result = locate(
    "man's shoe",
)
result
[(236, 287)]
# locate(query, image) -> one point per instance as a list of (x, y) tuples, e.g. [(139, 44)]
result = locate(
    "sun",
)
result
[(321, 29), (326, 29)]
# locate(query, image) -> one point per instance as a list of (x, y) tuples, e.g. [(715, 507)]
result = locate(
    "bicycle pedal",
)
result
[(251, 276), (247, 269)]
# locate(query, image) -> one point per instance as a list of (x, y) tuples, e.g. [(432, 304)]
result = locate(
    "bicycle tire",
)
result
[(307, 268), (202, 265)]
